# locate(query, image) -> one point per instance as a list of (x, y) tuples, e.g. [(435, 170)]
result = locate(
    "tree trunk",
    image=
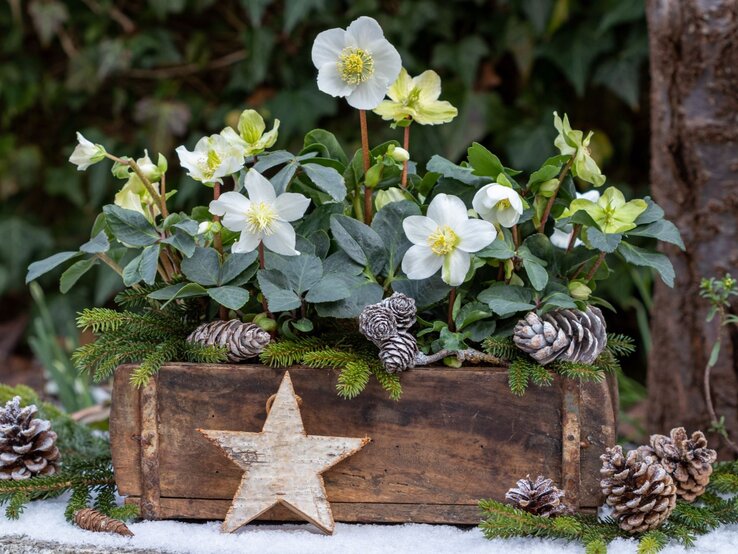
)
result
[(694, 176)]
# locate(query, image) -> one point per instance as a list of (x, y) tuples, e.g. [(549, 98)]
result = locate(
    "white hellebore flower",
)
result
[(443, 240), (213, 158), (357, 63), (498, 204), (560, 238), (86, 153), (262, 217)]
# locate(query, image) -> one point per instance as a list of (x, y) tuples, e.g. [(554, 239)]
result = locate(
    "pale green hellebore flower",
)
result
[(135, 196), (416, 99), (571, 142), (611, 212), (86, 153), (251, 136)]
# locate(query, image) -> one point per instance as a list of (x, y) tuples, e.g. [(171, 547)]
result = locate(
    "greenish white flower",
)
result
[(610, 212), (444, 239), (135, 196), (251, 136), (263, 217), (86, 153), (357, 63), (498, 204), (392, 194), (560, 238), (398, 153), (416, 98), (571, 142), (213, 158), (579, 291)]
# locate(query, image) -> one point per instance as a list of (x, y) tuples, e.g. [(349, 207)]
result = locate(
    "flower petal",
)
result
[(327, 47), (367, 95), (418, 228), (560, 239), (259, 187), (475, 234), (435, 113), (291, 205), (282, 239), (232, 207), (363, 31), (247, 242), (402, 86), (447, 210), (387, 61), (455, 267), (507, 217), (420, 262), (429, 84), (330, 82)]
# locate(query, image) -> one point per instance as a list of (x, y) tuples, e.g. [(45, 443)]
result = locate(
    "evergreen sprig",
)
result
[(687, 521)]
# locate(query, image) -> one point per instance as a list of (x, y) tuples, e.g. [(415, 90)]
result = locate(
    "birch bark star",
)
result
[(263, 217), (444, 239), (357, 63)]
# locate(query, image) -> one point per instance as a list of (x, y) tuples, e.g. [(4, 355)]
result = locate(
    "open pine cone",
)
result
[(540, 497), (27, 445), (639, 489), (688, 460), (397, 353), (567, 335), (242, 340)]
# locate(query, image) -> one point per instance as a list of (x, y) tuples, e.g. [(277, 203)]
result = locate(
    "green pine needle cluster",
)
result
[(86, 467), (686, 523), (355, 357), (523, 369), (150, 338)]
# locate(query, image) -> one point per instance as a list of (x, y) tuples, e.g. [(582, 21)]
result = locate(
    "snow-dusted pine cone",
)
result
[(688, 460), (397, 353), (243, 340), (638, 487), (377, 323), (567, 335), (540, 497), (27, 445), (403, 308)]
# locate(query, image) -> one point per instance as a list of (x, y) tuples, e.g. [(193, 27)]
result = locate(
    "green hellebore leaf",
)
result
[(659, 262), (232, 298), (276, 289), (360, 242), (96, 245), (662, 230), (36, 269), (73, 273), (505, 300), (130, 227)]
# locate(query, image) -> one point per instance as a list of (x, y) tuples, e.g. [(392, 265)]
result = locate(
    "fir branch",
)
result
[(389, 381), (578, 370), (540, 375), (652, 542), (353, 379), (204, 354), (501, 347), (285, 353), (620, 345), (332, 358), (126, 512), (151, 364), (517, 376), (595, 546)]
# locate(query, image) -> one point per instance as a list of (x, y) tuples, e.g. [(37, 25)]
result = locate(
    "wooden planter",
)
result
[(457, 435)]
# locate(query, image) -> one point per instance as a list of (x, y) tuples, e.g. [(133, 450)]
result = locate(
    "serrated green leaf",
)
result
[(231, 297)]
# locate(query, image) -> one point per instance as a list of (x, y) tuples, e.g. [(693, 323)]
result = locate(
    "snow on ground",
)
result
[(45, 521)]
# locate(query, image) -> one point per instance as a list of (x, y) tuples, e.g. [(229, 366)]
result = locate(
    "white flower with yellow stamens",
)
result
[(444, 239), (263, 217), (498, 204), (357, 63), (213, 158)]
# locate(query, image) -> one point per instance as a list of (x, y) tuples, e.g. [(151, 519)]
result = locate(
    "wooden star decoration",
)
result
[(282, 464)]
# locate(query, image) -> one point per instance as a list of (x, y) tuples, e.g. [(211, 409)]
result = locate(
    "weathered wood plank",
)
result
[(456, 436)]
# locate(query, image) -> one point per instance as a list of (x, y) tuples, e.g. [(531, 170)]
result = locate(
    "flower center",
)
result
[(259, 218), (210, 165), (504, 204), (355, 65), (443, 240)]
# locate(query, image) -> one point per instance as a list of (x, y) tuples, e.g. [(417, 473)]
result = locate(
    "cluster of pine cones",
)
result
[(27, 444), (641, 486), (387, 324)]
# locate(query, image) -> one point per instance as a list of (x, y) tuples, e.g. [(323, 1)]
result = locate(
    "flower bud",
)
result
[(373, 176), (548, 188), (251, 126), (398, 154), (390, 195), (579, 291)]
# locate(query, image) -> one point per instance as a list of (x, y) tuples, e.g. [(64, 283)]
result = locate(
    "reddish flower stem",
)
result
[(406, 146), (451, 301), (365, 154)]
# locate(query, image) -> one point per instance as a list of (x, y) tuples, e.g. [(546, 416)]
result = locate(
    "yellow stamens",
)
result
[(259, 218), (209, 166), (504, 204), (443, 240), (355, 65)]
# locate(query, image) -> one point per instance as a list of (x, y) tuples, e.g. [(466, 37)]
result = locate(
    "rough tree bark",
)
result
[(694, 177)]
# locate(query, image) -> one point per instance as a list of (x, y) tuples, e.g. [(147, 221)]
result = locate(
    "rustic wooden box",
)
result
[(457, 435)]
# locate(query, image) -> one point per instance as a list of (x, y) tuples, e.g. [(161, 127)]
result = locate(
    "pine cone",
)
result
[(688, 460), (95, 521), (637, 486), (403, 308), (540, 497), (27, 445), (397, 353), (243, 340), (567, 335), (377, 323)]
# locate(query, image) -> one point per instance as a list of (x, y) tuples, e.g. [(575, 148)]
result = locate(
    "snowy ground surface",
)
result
[(44, 521)]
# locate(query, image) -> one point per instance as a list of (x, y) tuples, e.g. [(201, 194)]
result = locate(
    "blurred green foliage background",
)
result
[(155, 74)]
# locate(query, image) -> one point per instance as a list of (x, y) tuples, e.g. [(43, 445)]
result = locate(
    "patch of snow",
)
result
[(44, 520)]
